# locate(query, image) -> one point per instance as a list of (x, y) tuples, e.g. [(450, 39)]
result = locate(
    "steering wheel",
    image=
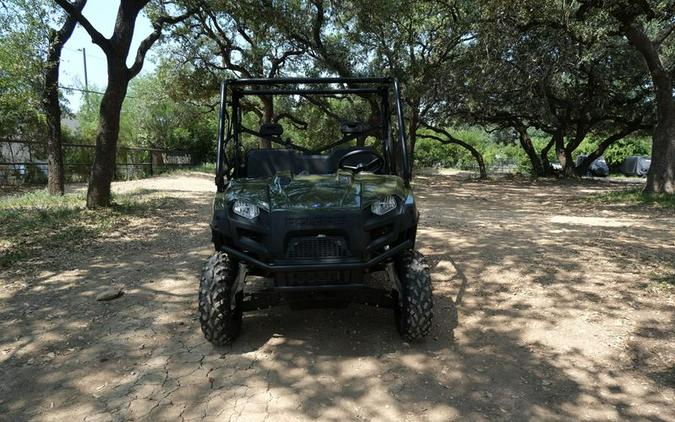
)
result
[(374, 165)]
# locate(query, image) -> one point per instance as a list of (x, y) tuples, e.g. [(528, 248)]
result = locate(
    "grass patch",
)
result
[(201, 168), (35, 222), (635, 196), (205, 168), (662, 285)]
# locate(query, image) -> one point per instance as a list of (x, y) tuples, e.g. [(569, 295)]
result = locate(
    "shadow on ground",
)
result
[(556, 322)]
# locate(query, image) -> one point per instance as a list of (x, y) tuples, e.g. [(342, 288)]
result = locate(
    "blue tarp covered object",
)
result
[(598, 167), (636, 165)]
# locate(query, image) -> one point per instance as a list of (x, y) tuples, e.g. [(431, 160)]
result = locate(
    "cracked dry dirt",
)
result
[(558, 321)]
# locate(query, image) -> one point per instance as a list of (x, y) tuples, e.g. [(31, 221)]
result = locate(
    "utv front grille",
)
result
[(317, 247), (315, 278)]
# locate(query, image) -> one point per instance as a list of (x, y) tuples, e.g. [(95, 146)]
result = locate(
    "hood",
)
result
[(341, 190)]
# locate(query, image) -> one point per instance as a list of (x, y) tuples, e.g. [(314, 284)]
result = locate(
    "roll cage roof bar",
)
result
[(263, 86)]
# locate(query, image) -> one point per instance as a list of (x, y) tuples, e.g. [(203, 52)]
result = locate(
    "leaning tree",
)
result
[(117, 48)]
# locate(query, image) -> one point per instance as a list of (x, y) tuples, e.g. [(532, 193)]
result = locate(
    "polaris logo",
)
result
[(315, 221)]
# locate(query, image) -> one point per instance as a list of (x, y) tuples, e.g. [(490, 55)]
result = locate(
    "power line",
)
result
[(87, 91), (89, 56), (79, 50)]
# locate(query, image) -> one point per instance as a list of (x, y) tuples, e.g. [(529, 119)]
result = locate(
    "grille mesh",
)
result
[(317, 247), (314, 278)]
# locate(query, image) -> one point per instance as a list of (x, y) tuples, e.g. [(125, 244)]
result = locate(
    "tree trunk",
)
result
[(449, 139), (268, 116), (52, 108), (563, 155), (566, 162), (412, 128), (526, 144), (477, 156), (570, 170), (103, 168), (543, 156), (474, 152), (50, 102), (661, 176), (373, 121)]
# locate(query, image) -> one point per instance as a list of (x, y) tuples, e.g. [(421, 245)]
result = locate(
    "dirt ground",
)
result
[(560, 319)]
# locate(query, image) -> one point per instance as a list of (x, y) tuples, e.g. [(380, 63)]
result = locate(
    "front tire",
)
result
[(220, 321), (413, 310)]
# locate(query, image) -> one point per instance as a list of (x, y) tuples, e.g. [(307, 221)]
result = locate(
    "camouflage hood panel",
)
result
[(341, 190)]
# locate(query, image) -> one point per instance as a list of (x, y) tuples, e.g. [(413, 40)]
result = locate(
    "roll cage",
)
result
[(230, 125)]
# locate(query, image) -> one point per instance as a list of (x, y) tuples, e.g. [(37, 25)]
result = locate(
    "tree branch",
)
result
[(224, 43), (440, 131), (449, 139), (323, 106), (279, 61), (665, 33), (57, 38), (242, 31), (298, 123), (145, 45), (586, 163), (96, 37)]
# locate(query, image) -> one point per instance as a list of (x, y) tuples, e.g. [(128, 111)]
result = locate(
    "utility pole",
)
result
[(84, 60), (86, 80)]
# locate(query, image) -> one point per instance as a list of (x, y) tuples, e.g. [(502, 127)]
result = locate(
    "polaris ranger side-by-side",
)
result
[(314, 219)]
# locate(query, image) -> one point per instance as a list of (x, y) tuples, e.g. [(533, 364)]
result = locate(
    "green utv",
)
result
[(314, 217)]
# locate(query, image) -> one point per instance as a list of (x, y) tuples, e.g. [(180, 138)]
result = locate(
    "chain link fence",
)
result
[(25, 162)]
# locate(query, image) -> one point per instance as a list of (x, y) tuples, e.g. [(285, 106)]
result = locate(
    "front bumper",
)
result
[(270, 242), (337, 266)]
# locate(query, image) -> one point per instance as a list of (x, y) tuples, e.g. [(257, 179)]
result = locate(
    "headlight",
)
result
[(246, 209), (384, 205)]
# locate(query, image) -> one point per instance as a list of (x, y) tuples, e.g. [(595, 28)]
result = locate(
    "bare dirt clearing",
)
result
[(560, 319)]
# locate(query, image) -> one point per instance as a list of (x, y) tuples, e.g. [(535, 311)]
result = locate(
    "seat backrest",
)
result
[(324, 163), (315, 164), (267, 162)]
